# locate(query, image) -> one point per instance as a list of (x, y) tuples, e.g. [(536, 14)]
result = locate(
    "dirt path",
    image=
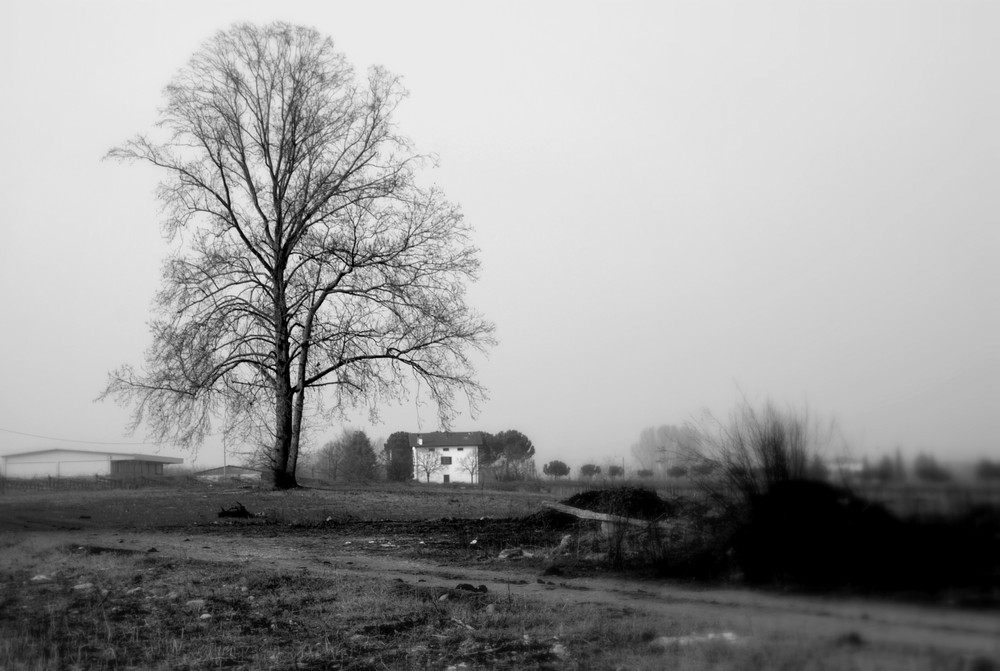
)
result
[(742, 611)]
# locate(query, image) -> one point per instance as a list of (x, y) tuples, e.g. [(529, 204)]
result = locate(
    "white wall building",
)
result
[(59, 463), (446, 457)]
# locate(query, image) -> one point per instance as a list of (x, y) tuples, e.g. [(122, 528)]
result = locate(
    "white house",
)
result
[(443, 456), (60, 463)]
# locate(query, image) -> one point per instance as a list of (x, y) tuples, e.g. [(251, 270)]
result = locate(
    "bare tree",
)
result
[(427, 463), (741, 458), (470, 464), (329, 459), (658, 448), (309, 258)]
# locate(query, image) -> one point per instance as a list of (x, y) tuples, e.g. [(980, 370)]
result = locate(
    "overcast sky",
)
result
[(677, 203)]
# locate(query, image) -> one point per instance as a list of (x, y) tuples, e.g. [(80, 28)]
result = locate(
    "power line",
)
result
[(83, 442)]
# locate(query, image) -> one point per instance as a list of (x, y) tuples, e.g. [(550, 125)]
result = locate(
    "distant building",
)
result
[(444, 457), (230, 473), (60, 463)]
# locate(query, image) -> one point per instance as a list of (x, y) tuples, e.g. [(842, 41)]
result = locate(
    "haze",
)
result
[(678, 204)]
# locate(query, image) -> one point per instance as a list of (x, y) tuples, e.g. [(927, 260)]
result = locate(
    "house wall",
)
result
[(57, 463), (454, 472)]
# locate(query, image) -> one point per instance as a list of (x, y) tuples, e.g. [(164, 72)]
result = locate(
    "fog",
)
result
[(678, 206)]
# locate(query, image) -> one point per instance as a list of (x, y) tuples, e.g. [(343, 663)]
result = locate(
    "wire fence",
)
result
[(94, 483)]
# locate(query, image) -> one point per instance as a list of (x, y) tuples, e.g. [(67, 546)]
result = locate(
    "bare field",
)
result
[(401, 578), (188, 504)]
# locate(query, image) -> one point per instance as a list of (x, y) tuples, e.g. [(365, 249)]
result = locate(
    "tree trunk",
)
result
[(283, 471), (298, 401), (293, 449)]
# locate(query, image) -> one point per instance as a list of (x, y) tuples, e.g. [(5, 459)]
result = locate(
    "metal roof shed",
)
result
[(62, 463)]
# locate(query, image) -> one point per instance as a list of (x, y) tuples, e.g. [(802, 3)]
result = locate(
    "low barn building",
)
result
[(59, 463), (443, 456)]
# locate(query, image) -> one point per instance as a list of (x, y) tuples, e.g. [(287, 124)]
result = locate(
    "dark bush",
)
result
[(819, 536), (988, 470), (926, 468)]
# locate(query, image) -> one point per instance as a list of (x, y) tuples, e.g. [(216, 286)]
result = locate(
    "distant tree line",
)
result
[(758, 446)]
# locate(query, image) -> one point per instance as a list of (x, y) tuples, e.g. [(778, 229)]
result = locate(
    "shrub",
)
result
[(988, 470), (742, 458), (815, 535), (926, 468)]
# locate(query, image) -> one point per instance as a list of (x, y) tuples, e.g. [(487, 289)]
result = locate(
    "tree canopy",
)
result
[(309, 259), (398, 457), (509, 453), (556, 469), (350, 457)]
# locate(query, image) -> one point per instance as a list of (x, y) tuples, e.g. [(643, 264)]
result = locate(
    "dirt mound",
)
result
[(625, 501)]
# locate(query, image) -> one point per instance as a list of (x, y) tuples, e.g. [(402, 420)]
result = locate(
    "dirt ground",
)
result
[(357, 550), (445, 551)]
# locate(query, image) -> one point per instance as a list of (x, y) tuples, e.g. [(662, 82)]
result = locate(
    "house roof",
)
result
[(115, 456), (446, 439)]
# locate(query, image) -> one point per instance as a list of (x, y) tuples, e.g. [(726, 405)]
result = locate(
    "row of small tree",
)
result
[(558, 469), (926, 468), (697, 450)]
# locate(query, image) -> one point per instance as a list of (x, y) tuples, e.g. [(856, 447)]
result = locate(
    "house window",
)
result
[(446, 461), (447, 478), (460, 449), (445, 449)]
